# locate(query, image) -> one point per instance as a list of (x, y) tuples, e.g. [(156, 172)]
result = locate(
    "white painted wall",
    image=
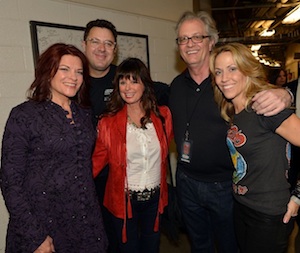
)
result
[(162, 9), (16, 58)]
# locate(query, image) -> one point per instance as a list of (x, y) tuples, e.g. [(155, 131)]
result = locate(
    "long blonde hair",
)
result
[(249, 66)]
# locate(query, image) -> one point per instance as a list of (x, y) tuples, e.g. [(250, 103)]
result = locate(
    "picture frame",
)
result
[(44, 34)]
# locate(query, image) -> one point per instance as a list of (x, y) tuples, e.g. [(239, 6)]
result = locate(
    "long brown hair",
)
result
[(46, 68), (134, 68)]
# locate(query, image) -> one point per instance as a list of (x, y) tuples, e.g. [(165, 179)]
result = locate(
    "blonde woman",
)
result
[(257, 144)]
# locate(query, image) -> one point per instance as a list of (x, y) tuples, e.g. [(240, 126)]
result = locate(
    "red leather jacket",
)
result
[(111, 148)]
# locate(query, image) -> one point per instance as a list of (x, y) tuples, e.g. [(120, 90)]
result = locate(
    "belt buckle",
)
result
[(143, 196)]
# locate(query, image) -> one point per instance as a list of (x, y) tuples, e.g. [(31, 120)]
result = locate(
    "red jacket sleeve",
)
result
[(100, 155)]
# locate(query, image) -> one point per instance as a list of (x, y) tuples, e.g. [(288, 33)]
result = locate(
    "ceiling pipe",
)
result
[(275, 40), (258, 6)]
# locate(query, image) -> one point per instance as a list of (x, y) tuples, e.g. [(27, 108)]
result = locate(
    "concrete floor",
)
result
[(167, 247), (184, 246)]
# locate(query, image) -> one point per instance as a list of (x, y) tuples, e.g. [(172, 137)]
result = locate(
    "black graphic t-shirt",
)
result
[(260, 159)]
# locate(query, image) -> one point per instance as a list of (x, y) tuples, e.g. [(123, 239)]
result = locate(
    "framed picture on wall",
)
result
[(45, 34)]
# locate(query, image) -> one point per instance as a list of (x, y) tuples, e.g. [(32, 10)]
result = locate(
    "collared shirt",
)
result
[(193, 103)]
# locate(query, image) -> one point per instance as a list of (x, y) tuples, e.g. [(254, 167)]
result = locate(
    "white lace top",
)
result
[(143, 157)]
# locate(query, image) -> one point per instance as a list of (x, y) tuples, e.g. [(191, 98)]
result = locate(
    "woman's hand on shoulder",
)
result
[(292, 211), (46, 247)]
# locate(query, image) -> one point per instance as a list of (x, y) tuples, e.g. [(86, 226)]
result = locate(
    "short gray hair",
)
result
[(206, 18)]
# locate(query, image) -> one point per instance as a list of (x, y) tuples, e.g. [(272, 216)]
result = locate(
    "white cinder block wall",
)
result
[(16, 58)]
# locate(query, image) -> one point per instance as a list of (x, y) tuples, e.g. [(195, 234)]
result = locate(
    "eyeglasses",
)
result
[(196, 39), (96, 43)]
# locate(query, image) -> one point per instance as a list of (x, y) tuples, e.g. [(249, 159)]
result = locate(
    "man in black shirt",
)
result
[(100, 47)]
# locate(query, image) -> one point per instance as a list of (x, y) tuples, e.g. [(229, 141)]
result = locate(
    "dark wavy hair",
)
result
[(134, 68), (102, 23), (46, 68)]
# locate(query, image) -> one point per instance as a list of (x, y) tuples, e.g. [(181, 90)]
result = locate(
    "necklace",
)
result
[(130, 121)]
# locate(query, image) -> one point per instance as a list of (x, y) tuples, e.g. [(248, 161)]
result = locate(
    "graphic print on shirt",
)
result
[(236, 138), (107, 94)]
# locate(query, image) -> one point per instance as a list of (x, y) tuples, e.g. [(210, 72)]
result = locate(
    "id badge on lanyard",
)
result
[(187, 143), (186, 148)]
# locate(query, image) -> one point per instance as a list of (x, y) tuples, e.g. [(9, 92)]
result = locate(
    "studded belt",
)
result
[(143, 195)]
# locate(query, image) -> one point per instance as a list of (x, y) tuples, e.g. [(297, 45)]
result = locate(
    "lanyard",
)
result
[(186, 134)]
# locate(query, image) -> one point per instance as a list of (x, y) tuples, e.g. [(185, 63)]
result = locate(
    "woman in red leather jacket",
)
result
[(133, 138)]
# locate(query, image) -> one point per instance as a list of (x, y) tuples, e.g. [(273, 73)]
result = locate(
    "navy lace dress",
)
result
[(46, 180)]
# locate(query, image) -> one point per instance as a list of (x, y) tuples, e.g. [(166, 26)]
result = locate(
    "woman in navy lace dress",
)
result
[(46, 173)]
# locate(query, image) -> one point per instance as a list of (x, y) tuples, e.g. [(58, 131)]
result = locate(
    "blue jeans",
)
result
[(260, 233), (141, 237), (207, 209)]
